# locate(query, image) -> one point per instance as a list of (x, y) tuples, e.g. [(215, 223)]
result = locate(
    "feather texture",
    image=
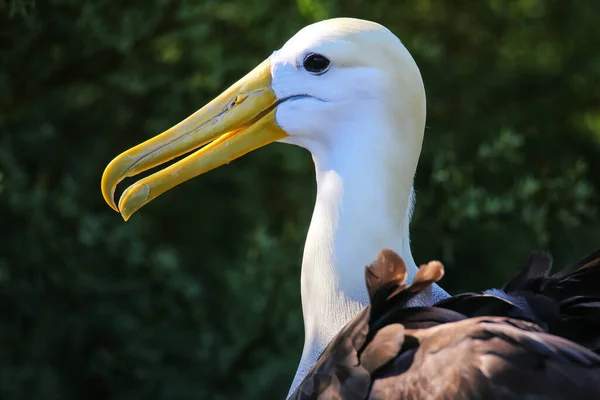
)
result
[(468, 347)]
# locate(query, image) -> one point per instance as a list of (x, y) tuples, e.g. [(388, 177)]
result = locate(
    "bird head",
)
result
[(332, 85)]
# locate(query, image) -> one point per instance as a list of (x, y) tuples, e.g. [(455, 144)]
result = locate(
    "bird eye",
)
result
[(316, 63)]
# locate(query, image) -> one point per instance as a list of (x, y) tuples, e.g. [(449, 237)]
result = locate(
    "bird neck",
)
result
[(360, 209)]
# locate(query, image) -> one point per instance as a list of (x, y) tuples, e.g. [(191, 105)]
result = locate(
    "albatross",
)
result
[(349, 92)]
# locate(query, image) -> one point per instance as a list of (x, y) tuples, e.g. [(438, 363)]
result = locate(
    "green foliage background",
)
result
[(197, 297)]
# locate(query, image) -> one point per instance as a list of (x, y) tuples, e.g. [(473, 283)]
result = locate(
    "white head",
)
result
[(349, 92), (368, 75)]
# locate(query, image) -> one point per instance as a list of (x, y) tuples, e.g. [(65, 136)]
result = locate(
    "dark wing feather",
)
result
[(478, 305), (537, 268), (490, 358), (569, 302), (576, 290), (392, 352), (589, 261), (566, 304)]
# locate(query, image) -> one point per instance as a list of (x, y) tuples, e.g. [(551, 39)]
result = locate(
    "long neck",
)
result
[(360, 209)]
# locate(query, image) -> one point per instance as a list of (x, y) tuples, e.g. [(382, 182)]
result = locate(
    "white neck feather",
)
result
[(361, 208)]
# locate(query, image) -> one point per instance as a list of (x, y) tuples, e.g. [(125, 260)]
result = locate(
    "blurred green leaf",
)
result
[(197, 296)]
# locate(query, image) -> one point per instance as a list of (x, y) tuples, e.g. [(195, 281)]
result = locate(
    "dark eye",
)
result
[(316, 63)]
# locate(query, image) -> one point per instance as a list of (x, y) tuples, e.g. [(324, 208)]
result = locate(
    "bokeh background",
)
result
[(197, 297)]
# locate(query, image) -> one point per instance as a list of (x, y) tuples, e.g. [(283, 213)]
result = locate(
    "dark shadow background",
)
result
[(197, 297)]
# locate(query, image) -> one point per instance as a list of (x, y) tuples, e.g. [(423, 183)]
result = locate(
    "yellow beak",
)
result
[(238, 121)]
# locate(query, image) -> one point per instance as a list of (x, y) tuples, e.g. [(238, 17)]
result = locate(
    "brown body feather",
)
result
[(456, 351)]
